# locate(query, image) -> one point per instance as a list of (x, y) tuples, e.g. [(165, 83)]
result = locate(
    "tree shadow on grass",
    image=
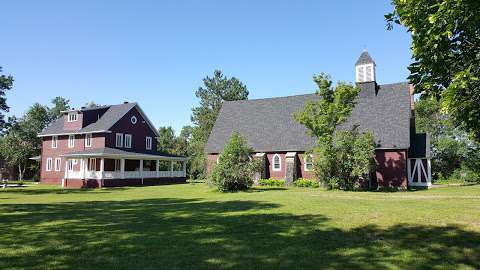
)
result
[(172, 233)]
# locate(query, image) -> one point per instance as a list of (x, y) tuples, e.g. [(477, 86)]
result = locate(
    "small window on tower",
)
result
[(72, 116)]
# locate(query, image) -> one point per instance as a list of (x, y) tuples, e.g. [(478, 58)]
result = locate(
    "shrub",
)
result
[(235, 168), (300, 182), (272, 182), (464, 175)]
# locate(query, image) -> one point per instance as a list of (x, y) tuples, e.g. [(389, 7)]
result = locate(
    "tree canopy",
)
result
[(212, 94), (446, 54), (6, 83), (342, 159)]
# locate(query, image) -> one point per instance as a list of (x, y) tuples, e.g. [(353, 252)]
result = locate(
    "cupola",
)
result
[(365, 68)]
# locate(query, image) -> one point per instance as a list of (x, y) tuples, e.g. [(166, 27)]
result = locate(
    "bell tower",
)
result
[(365, 69)]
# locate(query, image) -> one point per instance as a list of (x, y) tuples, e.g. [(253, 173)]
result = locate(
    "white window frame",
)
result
[(58, 164), (119, 140), (49, 165), (148, 143), (92, 164), (128, 142), (70, 164), (54, 141), (118, 165), (71, 141), (305, 163), (72, 116), (133, 120), (88, 140), (279, 163)]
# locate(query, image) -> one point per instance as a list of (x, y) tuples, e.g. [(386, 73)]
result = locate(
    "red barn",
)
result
[(402, 155), (106, 146)]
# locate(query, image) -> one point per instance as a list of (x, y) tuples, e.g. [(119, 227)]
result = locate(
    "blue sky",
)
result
[(157, 52)]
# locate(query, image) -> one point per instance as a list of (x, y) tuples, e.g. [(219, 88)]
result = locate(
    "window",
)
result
[(92, 164), (277, 163), (58, 164), (71, 141), (49, 164), (128, 140), (133, 120), (308, 163), (118, 165), (70, 164), (54, 141), (148, 143), (72, 117), (119, 140), (88, 140)]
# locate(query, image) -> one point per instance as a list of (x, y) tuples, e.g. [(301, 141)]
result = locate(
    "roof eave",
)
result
[(73, 133)]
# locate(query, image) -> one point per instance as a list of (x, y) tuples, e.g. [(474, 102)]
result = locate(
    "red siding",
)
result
[(276, 174), (98, 141), (139, 131), (75, 125), (391, 168)]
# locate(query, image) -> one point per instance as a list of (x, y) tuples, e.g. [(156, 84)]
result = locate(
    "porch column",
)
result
[(141, 170), (122, 168), (102, 166), (82, 168), (157, 168), (171, 168), (184, 168)]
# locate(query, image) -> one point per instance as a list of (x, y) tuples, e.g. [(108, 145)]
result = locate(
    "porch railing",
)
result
[(124, 175)]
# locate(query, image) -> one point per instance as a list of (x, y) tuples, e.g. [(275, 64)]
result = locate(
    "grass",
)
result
[(193, 227)]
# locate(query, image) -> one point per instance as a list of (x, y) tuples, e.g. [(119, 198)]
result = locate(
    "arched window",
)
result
[(277, 163), (308, 163)]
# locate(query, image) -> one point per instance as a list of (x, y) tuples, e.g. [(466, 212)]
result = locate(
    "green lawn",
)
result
[(194, 227)]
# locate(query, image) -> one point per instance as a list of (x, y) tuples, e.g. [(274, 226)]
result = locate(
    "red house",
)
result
[(402, 155), (104, 147)]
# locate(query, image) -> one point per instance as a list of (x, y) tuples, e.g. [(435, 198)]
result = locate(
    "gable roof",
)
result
[(113, 114), (269, 126), (364, 58)]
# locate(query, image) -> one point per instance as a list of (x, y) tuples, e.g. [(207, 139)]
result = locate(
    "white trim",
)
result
[(129, 145), (49, 165), (279, 163), (148, 143), (72, 117), (144, 116), (88, 140), (73, 133), (133, 120), (54, 141), (119, 140), (58, 164), (71, 141), (305, 162), (125, 156)]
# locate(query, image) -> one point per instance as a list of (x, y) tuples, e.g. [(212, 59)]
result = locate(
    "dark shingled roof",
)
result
[(269, 126), (112, 152), (364, 58), (106, 121)]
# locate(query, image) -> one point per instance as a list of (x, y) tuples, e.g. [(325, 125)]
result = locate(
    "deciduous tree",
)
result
[(446, 54)]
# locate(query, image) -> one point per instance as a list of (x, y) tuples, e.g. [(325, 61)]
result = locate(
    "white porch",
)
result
[(123, 168)]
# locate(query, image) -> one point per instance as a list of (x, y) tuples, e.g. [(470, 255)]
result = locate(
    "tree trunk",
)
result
[(20, 172)]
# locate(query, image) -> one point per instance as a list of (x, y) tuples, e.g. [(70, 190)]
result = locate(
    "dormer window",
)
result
[(72, 116), (277, 163)]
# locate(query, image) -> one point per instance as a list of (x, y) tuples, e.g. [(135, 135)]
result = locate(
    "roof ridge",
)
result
[(268, 98)]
